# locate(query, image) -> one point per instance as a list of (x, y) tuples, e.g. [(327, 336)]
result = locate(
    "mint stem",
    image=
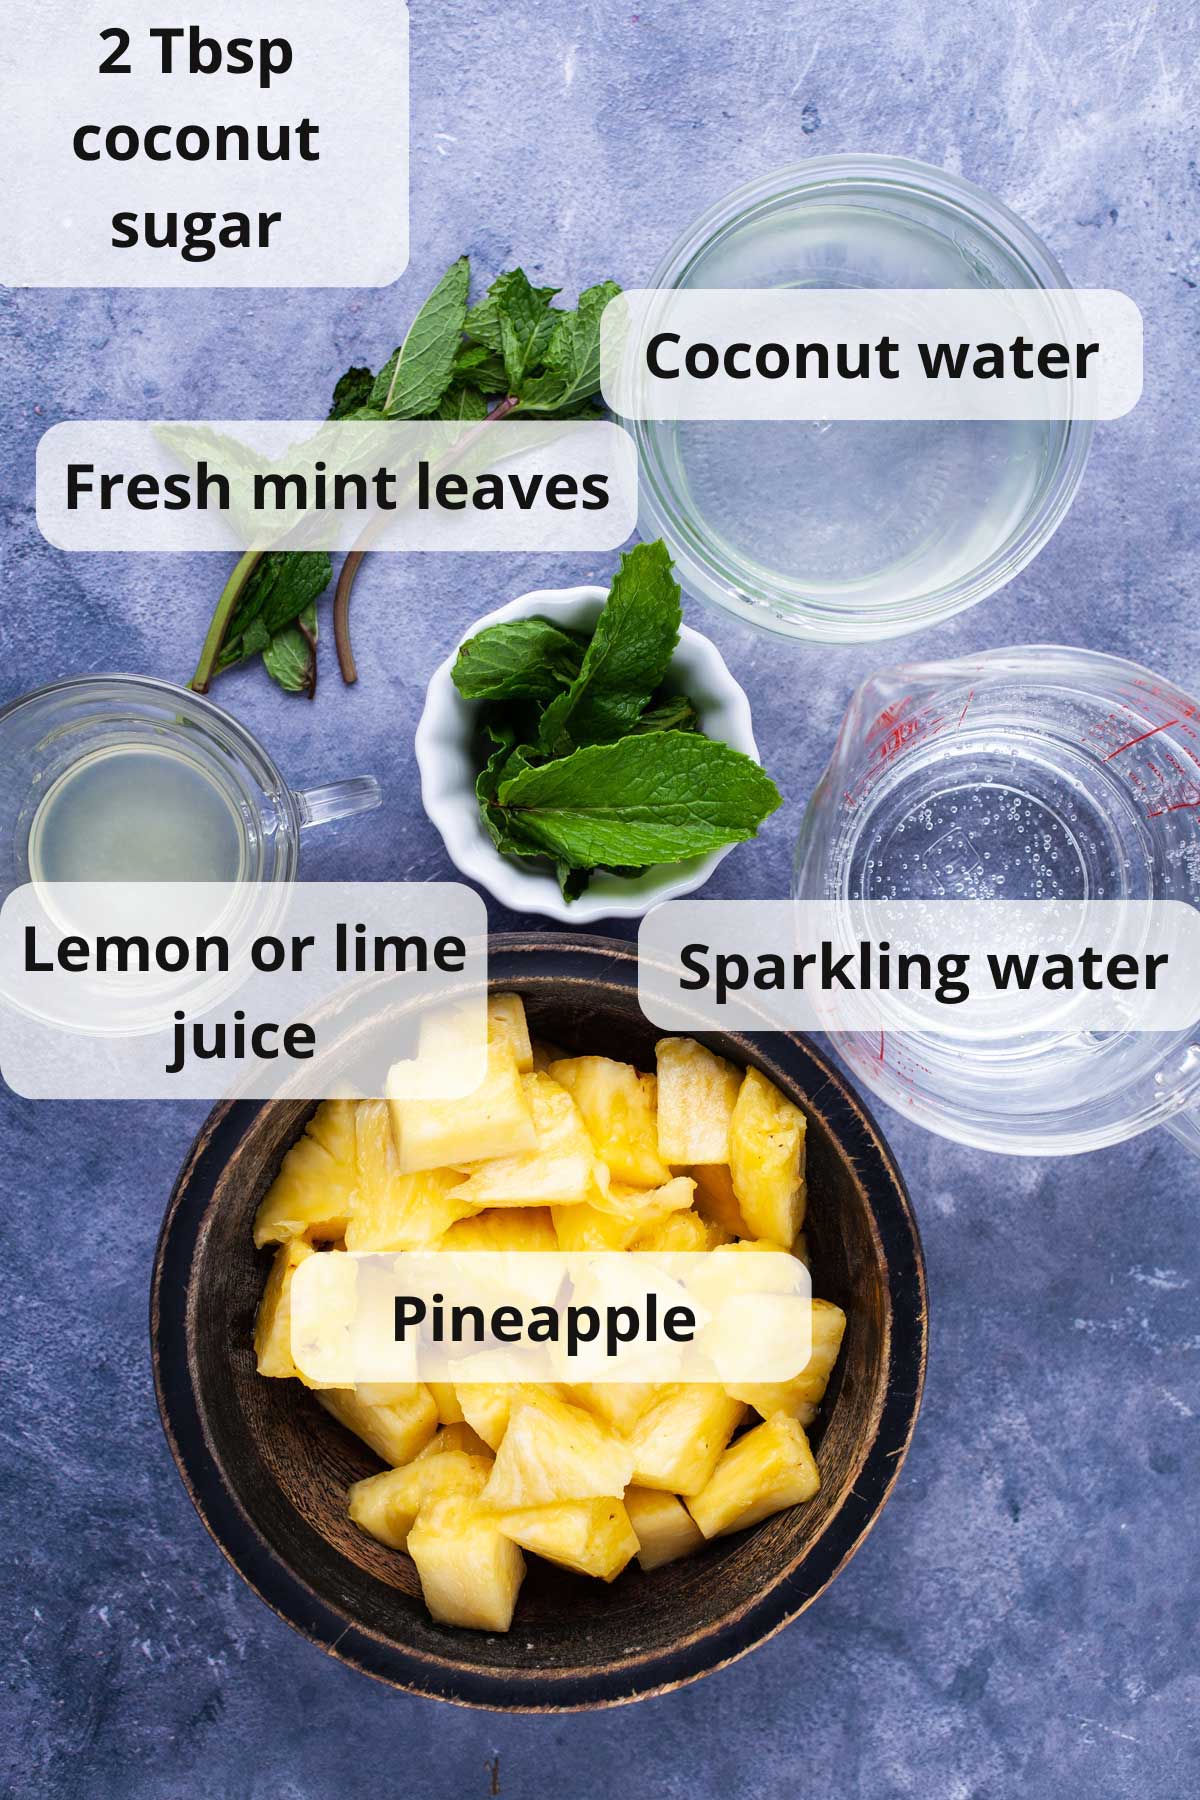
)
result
[(231, 593), (353, 562)]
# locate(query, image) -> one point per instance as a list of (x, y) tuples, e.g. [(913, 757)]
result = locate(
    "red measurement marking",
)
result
[(1166, 724), (962, 715), (889, 715), (1156, 812), (881, 1046)]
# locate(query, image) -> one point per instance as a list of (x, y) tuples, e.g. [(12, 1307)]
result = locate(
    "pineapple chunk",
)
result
[(618, 1404), (453, 1437), (553, 1451), (647, 1205), (766, 1160), (273, 1325), (395, 1432), (506, 1024), (768, 1469), (486, 1405), (394, 1211), (387, 1505), (313, 1194), (696, 1096), (802, 1394), (663, 1525), (618, 1111), (679, 1231), (715, 1199), (470, 1572), (546, 1055), (590, 1537), (449, 1412), (560, 1168), (587, 1228), (678, 1440), (493, 1121), (524, 1228)]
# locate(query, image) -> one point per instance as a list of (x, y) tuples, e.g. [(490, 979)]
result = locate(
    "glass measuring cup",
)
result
[(1022, 774), (85, 726)]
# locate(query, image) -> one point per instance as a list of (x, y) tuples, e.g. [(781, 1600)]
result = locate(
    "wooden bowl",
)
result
[(267, 1468)]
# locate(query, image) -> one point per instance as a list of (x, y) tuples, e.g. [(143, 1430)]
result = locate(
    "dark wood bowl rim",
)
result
[(641, 1675)]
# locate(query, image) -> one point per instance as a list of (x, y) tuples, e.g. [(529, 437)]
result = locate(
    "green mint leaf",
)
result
[(352, 393), (654, 799), (572, 356), (573, 882), (288, 657), (511, 296), (523, 348), (416, 376), (461, 401), (506, 760), (282, 585), (527, 659), (674, 714), (483, 368), (632, 645)]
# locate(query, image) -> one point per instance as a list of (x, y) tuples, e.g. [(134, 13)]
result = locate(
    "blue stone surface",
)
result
[(1022, 1620)]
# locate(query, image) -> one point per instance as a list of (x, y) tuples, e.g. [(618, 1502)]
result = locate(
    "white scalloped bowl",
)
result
[(448, 756)]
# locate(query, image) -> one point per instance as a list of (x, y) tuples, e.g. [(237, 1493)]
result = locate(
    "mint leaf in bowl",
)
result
[(590, 758)]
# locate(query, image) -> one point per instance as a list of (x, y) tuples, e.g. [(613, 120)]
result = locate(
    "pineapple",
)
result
[(618, 1404), (587, 1228), (546, 1055), (470, 1572), (679, 1231), (664, 1527), (449, 1412), (677, 1441), (493, 1121), (696, 1096), (273, 1325), (590, 1537), (554, 1451), (768, 1469), (393, 1211), (506, 1024), (313, 1194), (618, 1110), (524, 1228), (647, 1205), (715, 1199), (396, 1431), (486, 1405), (766, 1160), (453, 1437), (560, 1167), (387, 1505), (801, 1394)]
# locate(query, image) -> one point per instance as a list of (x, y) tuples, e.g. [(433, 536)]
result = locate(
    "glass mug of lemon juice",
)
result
[(123, 778)]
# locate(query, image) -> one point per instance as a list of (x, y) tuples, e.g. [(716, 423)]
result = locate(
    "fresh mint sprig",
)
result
[(511, 353)]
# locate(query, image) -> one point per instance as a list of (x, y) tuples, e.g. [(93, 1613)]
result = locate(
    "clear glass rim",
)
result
[(715, 580)]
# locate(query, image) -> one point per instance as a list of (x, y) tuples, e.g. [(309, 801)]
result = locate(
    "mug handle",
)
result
[(338, 800)]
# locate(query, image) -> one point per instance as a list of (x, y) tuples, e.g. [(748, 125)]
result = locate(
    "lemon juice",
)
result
[(136, 812)]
